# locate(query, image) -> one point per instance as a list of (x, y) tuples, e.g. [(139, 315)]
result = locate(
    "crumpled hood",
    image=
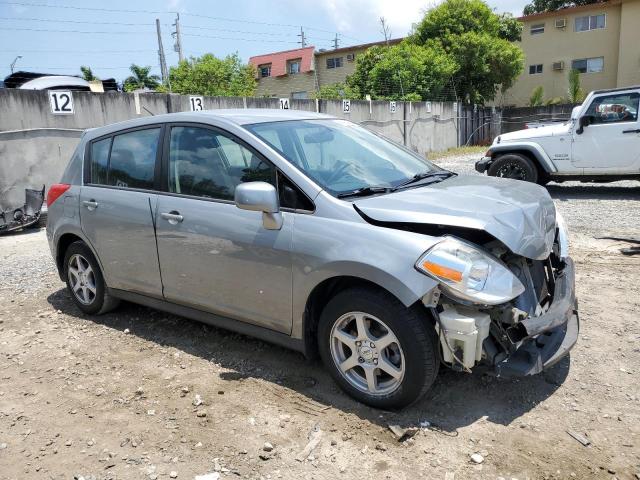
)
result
[(526, 134), (519, 214)]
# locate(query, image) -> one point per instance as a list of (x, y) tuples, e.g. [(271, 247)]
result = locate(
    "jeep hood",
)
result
[(521, 215), (529, 133)]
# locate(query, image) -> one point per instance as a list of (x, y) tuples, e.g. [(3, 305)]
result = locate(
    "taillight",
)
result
[(55, 191)]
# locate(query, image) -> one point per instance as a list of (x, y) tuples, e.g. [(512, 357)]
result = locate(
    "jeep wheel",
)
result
[(378, 351), (516, 166), (85, 281)]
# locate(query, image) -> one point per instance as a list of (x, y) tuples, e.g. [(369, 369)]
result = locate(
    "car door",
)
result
[(214, 256), (116, 204), (611, 143)]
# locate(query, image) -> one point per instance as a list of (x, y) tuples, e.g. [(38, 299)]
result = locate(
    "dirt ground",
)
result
[(118, 396)]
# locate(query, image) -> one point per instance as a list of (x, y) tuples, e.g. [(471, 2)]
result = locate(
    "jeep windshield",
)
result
[(346, 159)]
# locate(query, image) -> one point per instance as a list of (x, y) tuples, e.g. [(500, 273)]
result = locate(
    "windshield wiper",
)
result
[(440, 174), (364, 191)]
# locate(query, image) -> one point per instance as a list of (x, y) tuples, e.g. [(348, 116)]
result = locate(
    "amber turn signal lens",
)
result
[(443, 272)]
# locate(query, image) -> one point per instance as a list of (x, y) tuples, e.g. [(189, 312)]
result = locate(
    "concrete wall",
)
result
[(35, 145)]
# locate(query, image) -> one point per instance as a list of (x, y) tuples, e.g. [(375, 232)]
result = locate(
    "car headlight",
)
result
[(467, 273), (563, 236)]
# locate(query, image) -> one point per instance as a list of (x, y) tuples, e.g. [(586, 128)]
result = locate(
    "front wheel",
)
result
[(515, 166), (378, 351)]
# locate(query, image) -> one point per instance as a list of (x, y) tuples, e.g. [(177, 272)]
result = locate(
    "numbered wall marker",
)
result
[(284, 104), (196, 103), (428, 105), (392, 107), (346, 106), (61, 102)]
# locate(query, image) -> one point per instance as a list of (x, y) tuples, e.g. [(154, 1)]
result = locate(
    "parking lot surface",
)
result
[(140, 394)]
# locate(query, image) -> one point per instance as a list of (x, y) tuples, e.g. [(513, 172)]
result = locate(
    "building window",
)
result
[(265, 70), (537, 29), (334, 62), (588, 65), (294, 67), (299, 95), (534, 69), (592, 22)]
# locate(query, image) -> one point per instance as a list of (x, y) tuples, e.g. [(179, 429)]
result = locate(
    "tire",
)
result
[(91, 294), (412, 352), (515, 166)]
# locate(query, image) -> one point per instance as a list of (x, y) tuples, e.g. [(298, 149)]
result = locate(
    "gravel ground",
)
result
[(140, 394)]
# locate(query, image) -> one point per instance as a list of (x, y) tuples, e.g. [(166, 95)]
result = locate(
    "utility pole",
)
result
[(178, 45), (163, 63), (13, 64), (335, 42), (303, 40)]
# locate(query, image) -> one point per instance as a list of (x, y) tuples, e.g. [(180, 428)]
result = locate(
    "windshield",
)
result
[(341, 156)]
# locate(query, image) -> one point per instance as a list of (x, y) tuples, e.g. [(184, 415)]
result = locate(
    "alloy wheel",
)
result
[(82, 279), (367, 353), (511, 170)]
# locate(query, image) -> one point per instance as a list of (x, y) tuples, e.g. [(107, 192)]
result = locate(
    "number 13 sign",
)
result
[(61, 102)]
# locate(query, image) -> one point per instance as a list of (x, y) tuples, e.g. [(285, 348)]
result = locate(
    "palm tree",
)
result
[(87, 74), (576, 94), (140, 79)]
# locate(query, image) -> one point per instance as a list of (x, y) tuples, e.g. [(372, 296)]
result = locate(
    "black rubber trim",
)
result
[(483, 164)]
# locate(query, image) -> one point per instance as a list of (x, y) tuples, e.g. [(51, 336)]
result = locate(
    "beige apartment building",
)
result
[(602, 41), (299, 73)]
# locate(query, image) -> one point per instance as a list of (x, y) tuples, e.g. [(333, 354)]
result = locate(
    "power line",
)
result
[(75, 31), (154, 12), (92, 22)]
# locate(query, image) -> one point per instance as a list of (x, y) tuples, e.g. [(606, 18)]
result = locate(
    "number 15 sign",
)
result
[(61, 102)]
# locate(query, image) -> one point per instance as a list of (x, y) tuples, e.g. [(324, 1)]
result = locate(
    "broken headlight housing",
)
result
[(467, 273)]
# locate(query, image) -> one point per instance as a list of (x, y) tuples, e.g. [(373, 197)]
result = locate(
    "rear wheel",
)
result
[(515, 166), (85, 281), (377, 350)]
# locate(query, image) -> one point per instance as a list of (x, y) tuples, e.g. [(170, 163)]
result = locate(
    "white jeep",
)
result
[(600, 143)]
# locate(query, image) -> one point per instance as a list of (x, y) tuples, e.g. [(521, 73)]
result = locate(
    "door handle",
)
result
[(90, 204), (172, 217), (631, 131)]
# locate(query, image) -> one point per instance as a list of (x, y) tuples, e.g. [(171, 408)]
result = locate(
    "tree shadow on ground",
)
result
[(455, 400)]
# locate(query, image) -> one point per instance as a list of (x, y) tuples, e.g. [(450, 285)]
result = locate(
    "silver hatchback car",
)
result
[(314, 233)]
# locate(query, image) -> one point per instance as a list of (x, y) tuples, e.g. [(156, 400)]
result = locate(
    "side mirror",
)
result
[(260, 197), (575, 112), (584, 121)]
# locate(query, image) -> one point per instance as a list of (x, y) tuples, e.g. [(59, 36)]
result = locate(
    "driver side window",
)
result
[(614, 108)]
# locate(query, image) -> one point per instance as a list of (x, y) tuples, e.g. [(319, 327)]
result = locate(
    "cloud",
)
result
[(351, 16)]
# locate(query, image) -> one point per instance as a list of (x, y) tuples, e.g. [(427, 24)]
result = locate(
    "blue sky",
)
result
[(60, 36)]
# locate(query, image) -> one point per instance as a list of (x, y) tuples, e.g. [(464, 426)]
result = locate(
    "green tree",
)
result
[(537, 97), (510, 28), (478, 41), (140, 79), (575, 92), (87, 74), (539, 6), (209, 75), (336, 91), (401, 72)]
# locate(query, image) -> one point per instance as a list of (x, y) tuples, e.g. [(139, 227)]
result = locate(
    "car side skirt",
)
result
[(212, 319)]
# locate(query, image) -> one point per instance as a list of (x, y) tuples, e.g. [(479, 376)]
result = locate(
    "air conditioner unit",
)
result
[(351, 57), (558, 65), (561, 23)]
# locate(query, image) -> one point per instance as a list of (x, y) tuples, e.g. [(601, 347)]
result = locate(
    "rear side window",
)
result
[(133, 159), (100, 161), (73, 173), (127, 160)]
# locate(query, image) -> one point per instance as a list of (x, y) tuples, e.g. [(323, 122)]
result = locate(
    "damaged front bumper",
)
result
[(539, 342), (24, 216)]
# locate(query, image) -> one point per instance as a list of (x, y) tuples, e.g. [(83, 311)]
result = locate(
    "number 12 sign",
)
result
[(61, 102)]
